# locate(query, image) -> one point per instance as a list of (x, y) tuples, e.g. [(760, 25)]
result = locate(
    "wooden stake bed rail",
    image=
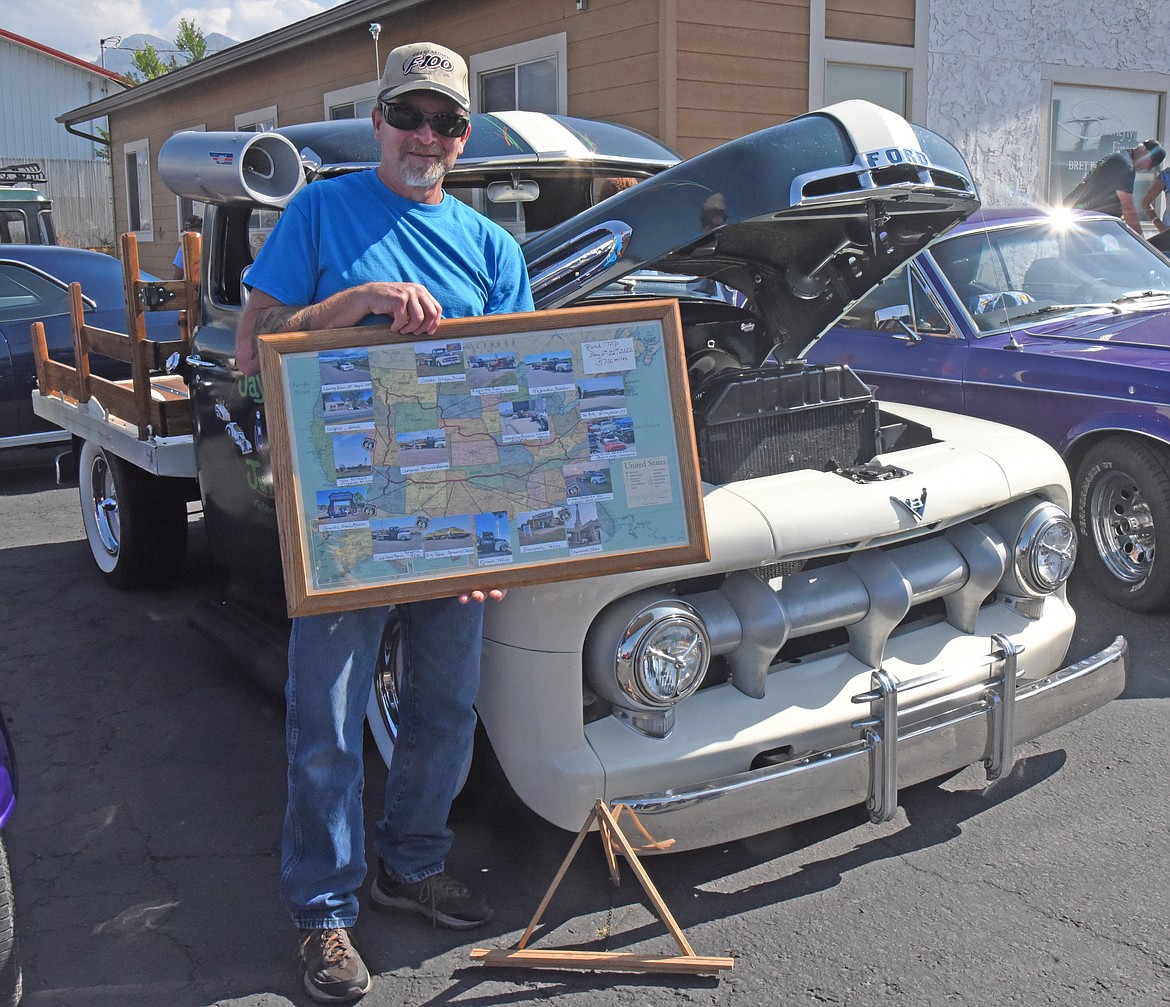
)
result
[(154, 401)]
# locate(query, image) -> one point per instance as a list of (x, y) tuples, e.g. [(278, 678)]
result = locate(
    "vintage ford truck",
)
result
[(26, 215), (885, 596)]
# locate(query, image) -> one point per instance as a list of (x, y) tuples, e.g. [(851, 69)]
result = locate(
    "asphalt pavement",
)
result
[(144, 846)]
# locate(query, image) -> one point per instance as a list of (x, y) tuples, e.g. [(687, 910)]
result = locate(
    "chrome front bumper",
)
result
[(899, 744)]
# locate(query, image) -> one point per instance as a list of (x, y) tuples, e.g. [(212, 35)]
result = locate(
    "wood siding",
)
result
[(858, 21), (741, 67)]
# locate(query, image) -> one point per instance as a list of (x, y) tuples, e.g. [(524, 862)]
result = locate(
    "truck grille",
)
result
[(867, 595)]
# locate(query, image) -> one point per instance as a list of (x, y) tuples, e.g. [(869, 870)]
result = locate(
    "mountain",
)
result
[(121, 59)]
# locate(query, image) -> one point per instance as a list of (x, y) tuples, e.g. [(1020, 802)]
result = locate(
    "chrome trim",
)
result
[(750, 803), (33, 440), (1026, 564), (868, 595), (882, 800), (577, 260)]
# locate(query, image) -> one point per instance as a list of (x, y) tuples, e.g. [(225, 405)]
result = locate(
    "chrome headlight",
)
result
[(663, 654), (1045, 549)]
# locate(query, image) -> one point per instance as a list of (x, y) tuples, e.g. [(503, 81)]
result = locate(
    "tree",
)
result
[(190, 40), (190, 43), (148, 64)]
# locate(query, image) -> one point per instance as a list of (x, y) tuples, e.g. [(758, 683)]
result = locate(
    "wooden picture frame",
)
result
[(502, 451)]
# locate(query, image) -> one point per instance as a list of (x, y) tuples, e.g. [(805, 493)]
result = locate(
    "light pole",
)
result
[(113, 41), (375, 31)]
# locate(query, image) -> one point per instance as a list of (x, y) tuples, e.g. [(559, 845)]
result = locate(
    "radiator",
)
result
[(767, 420)]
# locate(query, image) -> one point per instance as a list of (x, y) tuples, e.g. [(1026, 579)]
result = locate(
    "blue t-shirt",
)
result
[(341, 232)]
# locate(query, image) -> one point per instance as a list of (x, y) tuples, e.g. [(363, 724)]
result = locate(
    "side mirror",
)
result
[(898, 318)]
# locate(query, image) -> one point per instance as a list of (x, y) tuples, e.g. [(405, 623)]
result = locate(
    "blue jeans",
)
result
[(330, 663)]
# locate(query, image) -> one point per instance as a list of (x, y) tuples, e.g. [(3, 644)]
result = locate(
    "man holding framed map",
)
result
[(381, 247)]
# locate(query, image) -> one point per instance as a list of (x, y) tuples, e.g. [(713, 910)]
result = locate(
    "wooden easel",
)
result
[(613, 841)]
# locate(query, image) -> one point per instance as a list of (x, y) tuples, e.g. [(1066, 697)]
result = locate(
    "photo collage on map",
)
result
[(563, 413)]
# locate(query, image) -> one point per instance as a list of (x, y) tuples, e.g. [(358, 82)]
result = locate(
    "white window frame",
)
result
[(349, 95), (912, 59), (144, 195), (524, 52), (248, 120), (1084, 76)]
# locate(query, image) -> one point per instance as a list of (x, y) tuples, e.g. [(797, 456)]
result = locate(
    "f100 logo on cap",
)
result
[(426, 61), (893, 155)]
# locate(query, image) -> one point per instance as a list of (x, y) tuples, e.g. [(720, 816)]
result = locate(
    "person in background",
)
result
[(387, 247), (192, 223), (1108, 188), (606, 187), (1161, 240)]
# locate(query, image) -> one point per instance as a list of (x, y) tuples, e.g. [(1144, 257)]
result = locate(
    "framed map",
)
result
[(502, 451)]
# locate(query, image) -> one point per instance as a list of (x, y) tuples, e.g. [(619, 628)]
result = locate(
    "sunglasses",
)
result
[(408, 118)]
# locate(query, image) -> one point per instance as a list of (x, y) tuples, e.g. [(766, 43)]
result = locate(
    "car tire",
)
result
[(135, 522), (1122, 502), (10, 973), (382, 711)]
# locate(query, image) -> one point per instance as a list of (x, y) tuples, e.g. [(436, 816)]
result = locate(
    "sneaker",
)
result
[(442, 899), (332, 968)]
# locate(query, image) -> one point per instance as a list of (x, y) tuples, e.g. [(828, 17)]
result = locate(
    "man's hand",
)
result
[(413, 311), (495, 594)]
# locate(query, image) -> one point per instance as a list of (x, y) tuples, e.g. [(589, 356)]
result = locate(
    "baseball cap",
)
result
[(1156, 151), (425, 66)]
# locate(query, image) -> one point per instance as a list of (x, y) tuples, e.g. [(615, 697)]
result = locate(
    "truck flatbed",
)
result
[(144, 419), (165, 455)]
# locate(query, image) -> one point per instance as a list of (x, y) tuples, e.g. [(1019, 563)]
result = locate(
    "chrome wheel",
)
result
[(135, 522), (1122, 502), (1123, 527), (388, 677), (383, 711), (104, 501)]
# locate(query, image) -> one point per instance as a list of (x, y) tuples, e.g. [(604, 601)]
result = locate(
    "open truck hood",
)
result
[(801, 218)]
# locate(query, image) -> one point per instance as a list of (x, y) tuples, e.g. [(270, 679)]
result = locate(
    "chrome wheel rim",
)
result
[(104, 503), (387, 677), (1123, 526)]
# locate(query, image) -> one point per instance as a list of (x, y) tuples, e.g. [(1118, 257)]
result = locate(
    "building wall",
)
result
[(741, 67), (989, 77), (36, 89), (889, 23)]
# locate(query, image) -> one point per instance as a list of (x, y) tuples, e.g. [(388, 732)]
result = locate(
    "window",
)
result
[(900, 297), (530, 76), (1088, 123), (893, 76), (13, 228), (355, 102), (139, 210), (26, 294), (883, 85), (257, 121)]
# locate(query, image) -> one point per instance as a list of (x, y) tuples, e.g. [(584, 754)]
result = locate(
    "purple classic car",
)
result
[(10, 973), (1052, 321)]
